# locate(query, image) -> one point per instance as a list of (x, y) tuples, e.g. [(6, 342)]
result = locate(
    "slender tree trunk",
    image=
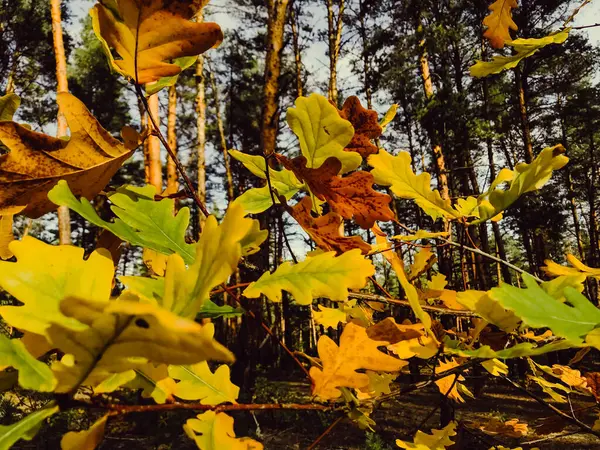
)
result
[(297, 52), (201, 133), (270, 115), (365, 55), (152, 149), (222, 140), (525, 130), (64, 217), (172, 183), (334, 38)]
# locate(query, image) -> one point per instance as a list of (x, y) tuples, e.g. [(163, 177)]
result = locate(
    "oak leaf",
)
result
[(488, 307), (350, 196), (322, 132), (494, 427), (148, 35), (86, 439), (330, 317), (323, 275), (27, 427), (326, 230), (437, 440), (555, 270), (365, 126), (356, 351), (396, 172), (33, 374), (499, 22), (37, 161), (214, 431), (449, 386), (389, 330), (423, 261), (593, 383)]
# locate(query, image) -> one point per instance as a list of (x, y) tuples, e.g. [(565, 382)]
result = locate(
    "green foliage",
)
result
[(25, 428), (33, 374)]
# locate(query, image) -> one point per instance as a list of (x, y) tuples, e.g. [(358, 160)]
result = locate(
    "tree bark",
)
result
[(334, 35), (64, 217), (297, 52), (172, 184), (153, 165), (201, 133), (525, 130), (270, 116)]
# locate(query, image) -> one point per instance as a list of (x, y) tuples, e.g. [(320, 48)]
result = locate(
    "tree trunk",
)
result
[(172, 184), (365, 55), (64, 217), (297, 52), (270, 116), (525, 130), (334, 38), (152, 148), (201, 132), (222, 140)]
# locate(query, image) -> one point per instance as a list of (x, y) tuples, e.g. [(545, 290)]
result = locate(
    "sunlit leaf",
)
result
[(366, 127), (329, 317), (356, 351), (448, 386), (33, 374), (322, 132), (25, 428), (499, 22), (86, 439), (214, 431), (149, 35), (487, 307), (198, 382), (437, 440)]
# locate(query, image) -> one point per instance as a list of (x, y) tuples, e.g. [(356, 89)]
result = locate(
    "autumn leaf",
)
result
[(322, 132), (420, 234), (570, 377), (555, 270), (214, 431), (114, 336), (499, 22), (352, 196), (44, 275), (487, 307), (437, 440), (149, 35), (326, 230), (86, 439), (356, 351), (365, 126), (516, 351), (392, 332), (198, 382), (523, 48), (593, 382), (396, 172), (449, 386), (423, 261), (323, 275), (511, 428), (330, 317), (36, 161), (495, 367), (153, 379)]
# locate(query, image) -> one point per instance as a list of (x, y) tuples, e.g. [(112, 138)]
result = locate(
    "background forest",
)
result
[(415, 54)]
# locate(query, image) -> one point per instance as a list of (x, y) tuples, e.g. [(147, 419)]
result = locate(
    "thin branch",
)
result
[(188, 183), (574, 420), (436, 309), (325, 433), (127, 409), (586, 26)]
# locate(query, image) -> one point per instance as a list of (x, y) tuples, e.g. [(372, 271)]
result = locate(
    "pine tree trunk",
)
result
[(222, 140), (201, 133), (172, 184), (362, 29), (525, 130), (64, 217), (334, 35), (152, 148), (297, 52), (270, 115)]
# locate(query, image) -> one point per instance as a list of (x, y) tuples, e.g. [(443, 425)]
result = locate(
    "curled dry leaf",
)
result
[(149, 35), (350, 196), (326, 230), (365, 126), (36, 161)]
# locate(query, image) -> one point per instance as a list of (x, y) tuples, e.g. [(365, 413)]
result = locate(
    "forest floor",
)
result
[(398, 418)]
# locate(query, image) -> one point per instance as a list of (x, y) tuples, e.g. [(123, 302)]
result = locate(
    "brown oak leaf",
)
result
[(350, 196), (511, 428), (326, 230), (392, 332), (593, 382), (366, 127)]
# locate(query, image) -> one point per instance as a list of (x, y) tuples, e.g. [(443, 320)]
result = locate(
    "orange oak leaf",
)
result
[(499, 21), (350, 196), (593, 382), (389, 330), (366, 127), (340, 363), (326, 230), (448, 386), (511, 428)]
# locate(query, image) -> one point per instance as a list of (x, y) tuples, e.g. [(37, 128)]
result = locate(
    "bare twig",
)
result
[(325, 433), (127, 409), (436, 309)]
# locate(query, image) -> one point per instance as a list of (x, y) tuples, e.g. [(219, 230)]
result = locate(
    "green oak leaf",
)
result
[(33, 374)]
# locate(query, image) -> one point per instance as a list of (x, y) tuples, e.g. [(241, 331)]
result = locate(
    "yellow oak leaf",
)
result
[(379, 384), (437, 440), (322, 132), (149, 35), (424, 259), (396, 172), (86, 439), (154, 381), (44, 275), (555, 270), (329, 317), (483, 304), (324, 275), (214, 431), (499, 22), (356, 351), (449, 386), (571, 377), (495, 367), (36, 162), (198, 382)]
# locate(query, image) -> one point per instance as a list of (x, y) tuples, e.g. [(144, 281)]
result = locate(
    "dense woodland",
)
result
[(462, 130)]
